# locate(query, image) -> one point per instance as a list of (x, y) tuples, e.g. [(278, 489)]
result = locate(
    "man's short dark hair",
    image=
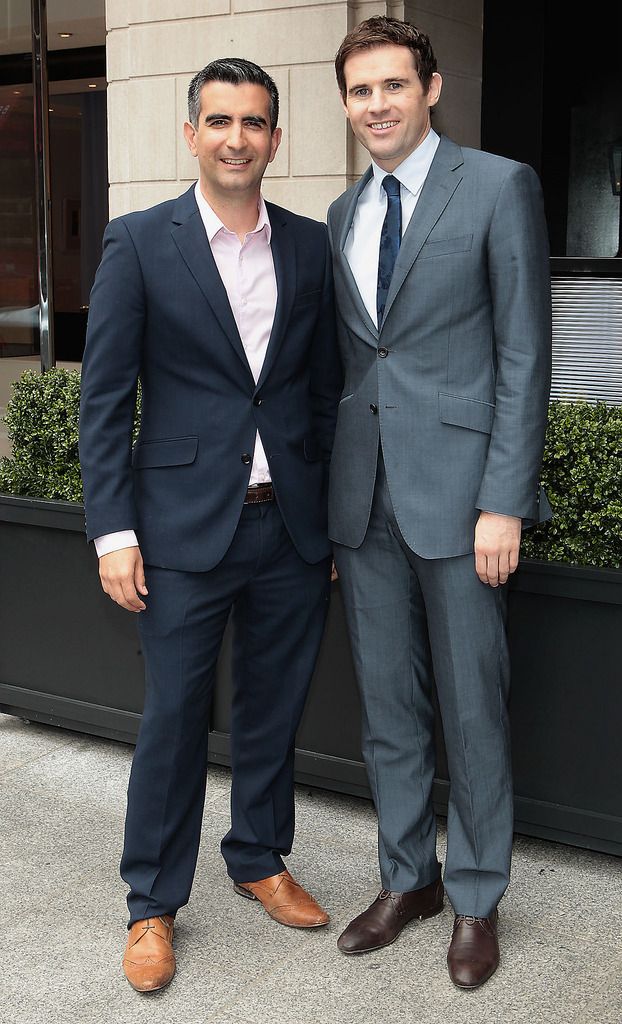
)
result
[(235, 71), (383, 31)]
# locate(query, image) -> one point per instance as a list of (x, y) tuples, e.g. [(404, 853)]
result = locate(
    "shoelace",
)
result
[(469, 920), (386, 894), (148, 927)]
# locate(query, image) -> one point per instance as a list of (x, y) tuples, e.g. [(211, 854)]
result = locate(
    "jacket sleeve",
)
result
[(326, 378), (110, 372), (519, 278)]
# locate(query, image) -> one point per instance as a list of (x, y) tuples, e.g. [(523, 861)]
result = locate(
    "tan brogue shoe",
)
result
[(149, 960), (285, 900)]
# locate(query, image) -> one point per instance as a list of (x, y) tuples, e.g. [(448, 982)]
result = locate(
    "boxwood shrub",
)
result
[(42, 422), (582, 475)]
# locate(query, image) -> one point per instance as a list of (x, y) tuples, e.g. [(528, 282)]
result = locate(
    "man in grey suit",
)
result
[(443, 293)]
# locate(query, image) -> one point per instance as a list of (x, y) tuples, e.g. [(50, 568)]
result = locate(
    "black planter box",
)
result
[(70, 657)]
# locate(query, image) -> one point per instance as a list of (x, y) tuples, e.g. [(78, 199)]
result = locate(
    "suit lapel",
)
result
[(189, 235), (443, 178), (356, 305), (284, 257)]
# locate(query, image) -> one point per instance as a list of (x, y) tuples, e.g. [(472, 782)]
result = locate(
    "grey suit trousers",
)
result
[(411, 620)]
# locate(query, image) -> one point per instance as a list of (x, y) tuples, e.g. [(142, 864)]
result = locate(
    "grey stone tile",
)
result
[(601, 1004), (572, 895), (22, 742)]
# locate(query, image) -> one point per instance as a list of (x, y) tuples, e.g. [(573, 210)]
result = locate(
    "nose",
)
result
[(235, 136), (377, 101)]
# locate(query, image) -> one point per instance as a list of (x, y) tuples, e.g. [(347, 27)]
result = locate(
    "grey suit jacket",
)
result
[(456, 384)]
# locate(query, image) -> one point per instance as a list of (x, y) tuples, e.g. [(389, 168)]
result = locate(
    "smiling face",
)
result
[(233, 141), (386, 104)]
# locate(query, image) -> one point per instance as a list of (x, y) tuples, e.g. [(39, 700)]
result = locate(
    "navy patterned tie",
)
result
[(390, 239)]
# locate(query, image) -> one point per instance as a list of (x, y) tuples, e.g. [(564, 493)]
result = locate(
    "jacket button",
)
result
[(257, 400), (374, 409), (383, 353), (246, 459)]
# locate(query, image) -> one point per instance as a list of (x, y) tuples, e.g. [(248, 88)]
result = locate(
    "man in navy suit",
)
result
[(221, 305)]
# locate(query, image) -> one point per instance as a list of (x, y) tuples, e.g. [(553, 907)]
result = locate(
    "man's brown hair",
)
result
[(382, 31)]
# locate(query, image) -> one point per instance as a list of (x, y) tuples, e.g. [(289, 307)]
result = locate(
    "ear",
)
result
[(277, 135), (190, 137), (434, 91), (344, 105)]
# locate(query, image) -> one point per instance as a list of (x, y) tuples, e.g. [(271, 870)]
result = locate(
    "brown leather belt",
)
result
[(260, 492)]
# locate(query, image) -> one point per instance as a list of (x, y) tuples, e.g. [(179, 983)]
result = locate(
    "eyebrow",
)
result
[(248, 118), (386, 81)]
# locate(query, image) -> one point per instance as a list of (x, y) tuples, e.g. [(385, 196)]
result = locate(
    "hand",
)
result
[(123, 578), (497, 545), (334, 575)]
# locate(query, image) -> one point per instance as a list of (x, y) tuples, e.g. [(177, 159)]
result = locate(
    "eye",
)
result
[(361, 91), (394, 86)]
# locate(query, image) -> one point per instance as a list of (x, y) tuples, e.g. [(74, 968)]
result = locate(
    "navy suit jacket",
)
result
[(159, 312)]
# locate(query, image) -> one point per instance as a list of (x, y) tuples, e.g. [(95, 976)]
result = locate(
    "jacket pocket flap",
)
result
[(174, 451), (445, 246), (466, 412)]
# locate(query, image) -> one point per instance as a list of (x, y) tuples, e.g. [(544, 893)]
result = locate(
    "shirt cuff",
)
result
[(114, 542)]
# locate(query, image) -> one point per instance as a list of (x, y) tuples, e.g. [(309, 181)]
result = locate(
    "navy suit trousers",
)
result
[(279, 605)]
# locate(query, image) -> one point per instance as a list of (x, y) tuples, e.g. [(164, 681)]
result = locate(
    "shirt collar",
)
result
[(213, 223), (412, 171)]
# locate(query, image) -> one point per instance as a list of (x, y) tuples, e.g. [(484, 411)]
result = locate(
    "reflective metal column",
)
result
[(42, 167)]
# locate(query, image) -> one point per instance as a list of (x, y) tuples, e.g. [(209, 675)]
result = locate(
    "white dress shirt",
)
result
[(363, 241), (247, 272)]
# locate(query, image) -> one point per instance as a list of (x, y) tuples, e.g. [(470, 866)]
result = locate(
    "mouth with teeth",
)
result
[(382, 126), (235, 163)]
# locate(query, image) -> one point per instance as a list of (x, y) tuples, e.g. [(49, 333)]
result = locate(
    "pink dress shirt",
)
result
[(247, 272)]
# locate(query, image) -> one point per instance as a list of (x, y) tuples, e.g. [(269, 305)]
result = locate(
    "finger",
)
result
[(139, 577), (119, 590), (514, 559), (131, 600), (480, 566), (504, 567), (116, 593), (492, 570)]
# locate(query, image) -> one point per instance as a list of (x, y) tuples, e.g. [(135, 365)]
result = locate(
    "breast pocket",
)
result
[(445, 246), (308, 298)]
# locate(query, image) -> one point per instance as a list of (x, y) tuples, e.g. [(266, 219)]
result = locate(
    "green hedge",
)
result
[(42, 421), (581, 472), (582, 475)]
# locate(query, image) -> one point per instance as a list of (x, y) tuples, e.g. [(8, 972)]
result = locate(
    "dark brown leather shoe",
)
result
[(381, 923), (473, 955)]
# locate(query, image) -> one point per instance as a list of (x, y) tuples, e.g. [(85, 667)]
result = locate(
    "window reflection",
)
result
[(19, 303)]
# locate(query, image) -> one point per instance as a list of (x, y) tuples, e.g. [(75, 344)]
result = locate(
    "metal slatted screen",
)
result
[(587, 339)]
